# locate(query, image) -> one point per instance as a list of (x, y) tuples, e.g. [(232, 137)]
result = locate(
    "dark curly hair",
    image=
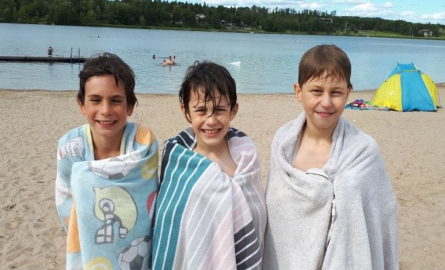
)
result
[(209, 77)]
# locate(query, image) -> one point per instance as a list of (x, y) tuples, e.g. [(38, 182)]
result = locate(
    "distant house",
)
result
[(224, 23), (200, 17), (426, 32), (326, 20)]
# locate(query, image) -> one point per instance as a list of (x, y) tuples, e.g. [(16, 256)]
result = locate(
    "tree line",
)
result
[(157, 13)]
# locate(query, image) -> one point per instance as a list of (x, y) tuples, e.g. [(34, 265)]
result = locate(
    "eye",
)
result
[(337, 93), (116, 100), (95, 100), (200, 110)]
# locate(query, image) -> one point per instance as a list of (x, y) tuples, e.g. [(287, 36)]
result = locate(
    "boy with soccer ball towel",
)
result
[(107, 173)]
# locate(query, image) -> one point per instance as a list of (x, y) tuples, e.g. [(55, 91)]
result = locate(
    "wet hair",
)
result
[(210, 78), (108, 64), (324, 58)]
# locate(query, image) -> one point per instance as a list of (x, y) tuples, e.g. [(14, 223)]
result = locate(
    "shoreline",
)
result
[(439, 85), (31, 235)]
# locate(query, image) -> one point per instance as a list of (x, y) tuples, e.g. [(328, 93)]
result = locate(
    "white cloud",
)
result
[(369, 9), (388, 5), (311, 6), (348, 2), (363, 8), (408, 14), (434, 17), (250, 3), (300, 4), (390, 10)]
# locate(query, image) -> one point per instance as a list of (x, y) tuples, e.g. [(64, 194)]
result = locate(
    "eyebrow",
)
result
[(115, 96), (199, 106)]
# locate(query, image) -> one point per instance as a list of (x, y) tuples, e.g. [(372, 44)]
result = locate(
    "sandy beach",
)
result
[(32, 237)]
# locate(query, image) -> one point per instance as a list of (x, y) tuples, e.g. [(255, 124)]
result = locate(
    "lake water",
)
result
[(260, 63)]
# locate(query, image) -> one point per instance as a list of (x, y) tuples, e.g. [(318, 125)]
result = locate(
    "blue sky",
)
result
[(432, 11)]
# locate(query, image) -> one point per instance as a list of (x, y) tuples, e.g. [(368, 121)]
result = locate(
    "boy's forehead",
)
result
[(327, 76), (200, 92), (104, 82), (108, 76), (197, 95)]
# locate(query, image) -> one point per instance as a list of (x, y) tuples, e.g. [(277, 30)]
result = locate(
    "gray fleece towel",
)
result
[(340, 217)]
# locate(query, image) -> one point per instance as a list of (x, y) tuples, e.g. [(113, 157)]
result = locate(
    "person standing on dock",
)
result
[(50, 51)]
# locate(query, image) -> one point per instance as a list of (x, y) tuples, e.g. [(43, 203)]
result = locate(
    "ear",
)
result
[(130, 110), (82, 108), (297, 90), (187, 116), (234, 111), (349, 91)]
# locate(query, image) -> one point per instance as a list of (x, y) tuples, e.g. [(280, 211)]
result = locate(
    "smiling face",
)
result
[(210, 129), (106, 109), (323, 100)]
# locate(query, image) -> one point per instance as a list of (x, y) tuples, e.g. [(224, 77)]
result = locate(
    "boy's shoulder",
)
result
[(234, 132), (73, 133), (144, 134), (291, 128), (237, 137), (357, 135)]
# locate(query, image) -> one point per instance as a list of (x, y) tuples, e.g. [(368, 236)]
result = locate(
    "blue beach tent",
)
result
[(407, 89)]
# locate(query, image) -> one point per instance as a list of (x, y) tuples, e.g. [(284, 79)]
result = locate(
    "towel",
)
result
[(107, 206), (205, 219), (342, 216)]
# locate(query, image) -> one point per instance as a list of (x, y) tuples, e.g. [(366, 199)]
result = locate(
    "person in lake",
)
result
[(50, 51), (330, 201), (170, 61), (107, 175), (210, 210)]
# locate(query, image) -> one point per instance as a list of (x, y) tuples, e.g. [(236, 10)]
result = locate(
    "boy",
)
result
[(329, 199), (107, 172), (210, 212)]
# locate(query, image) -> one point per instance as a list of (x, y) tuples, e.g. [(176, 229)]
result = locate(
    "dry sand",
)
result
[(31, 235)]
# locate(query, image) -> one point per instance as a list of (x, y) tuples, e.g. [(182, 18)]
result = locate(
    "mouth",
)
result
[(106, 123), (325, 114), (211, 131)]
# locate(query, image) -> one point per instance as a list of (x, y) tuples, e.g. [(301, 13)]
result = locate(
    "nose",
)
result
[(211, 119), (105, 108), (326, 100)]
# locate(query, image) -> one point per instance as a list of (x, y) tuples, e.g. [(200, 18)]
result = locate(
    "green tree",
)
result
[(142, 21), (10, 11), (89, 18)]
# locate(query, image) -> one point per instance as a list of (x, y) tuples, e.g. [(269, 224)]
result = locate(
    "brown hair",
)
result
[(324, 58), (108, 64)]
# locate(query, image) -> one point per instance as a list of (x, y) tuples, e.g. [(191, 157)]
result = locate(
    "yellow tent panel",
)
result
[(432, 89), (389, 94)]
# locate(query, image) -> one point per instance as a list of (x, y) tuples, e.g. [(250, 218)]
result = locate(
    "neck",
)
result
[(220, 155), (106, 148), (317, 135), (214, 151)]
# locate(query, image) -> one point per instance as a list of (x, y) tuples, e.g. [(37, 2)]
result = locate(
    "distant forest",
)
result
[(179, 15)]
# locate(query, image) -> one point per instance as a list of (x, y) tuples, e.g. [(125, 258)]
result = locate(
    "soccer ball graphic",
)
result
[(137, 255), (116, 167)]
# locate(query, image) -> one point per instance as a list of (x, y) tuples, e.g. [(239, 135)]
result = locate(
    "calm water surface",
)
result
[(260, 63)]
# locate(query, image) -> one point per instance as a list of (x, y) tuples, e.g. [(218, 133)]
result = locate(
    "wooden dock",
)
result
[(48, 58)]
